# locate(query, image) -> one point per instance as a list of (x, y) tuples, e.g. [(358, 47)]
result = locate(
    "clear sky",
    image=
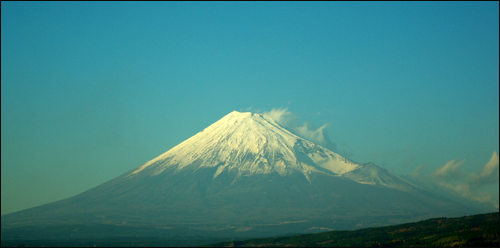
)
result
[(90, 90)]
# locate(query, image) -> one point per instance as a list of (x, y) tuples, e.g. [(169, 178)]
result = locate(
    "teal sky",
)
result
[(90, 90)]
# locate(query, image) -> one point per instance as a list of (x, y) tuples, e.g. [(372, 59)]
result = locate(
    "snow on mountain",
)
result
[(371, 174), (251, 143)]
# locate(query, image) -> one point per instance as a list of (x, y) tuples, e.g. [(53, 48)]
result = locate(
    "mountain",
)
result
[(244, 175)]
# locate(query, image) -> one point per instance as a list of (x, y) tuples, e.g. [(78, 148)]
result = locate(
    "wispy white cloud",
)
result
[(304, 130), (450, 179), (452, 169), (489, 173)]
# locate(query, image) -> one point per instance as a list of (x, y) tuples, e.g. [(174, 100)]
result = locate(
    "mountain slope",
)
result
[(247, 175)]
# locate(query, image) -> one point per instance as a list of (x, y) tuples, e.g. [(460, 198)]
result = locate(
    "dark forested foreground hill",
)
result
[(476, 231)]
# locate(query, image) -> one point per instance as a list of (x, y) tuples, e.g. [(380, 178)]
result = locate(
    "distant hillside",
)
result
[(476, 230)]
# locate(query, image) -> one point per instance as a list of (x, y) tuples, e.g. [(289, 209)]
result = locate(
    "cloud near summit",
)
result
[(305, 130)]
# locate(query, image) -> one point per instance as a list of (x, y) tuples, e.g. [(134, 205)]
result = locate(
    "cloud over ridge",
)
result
[(304, 130)]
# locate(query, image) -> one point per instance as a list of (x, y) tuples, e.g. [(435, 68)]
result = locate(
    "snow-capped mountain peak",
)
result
[(249, 143)]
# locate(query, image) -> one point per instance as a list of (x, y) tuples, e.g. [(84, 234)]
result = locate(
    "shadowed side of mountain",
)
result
[(196, 200)]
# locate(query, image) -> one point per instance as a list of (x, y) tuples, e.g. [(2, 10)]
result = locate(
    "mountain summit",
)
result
[(244, 175), (249, 144)]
